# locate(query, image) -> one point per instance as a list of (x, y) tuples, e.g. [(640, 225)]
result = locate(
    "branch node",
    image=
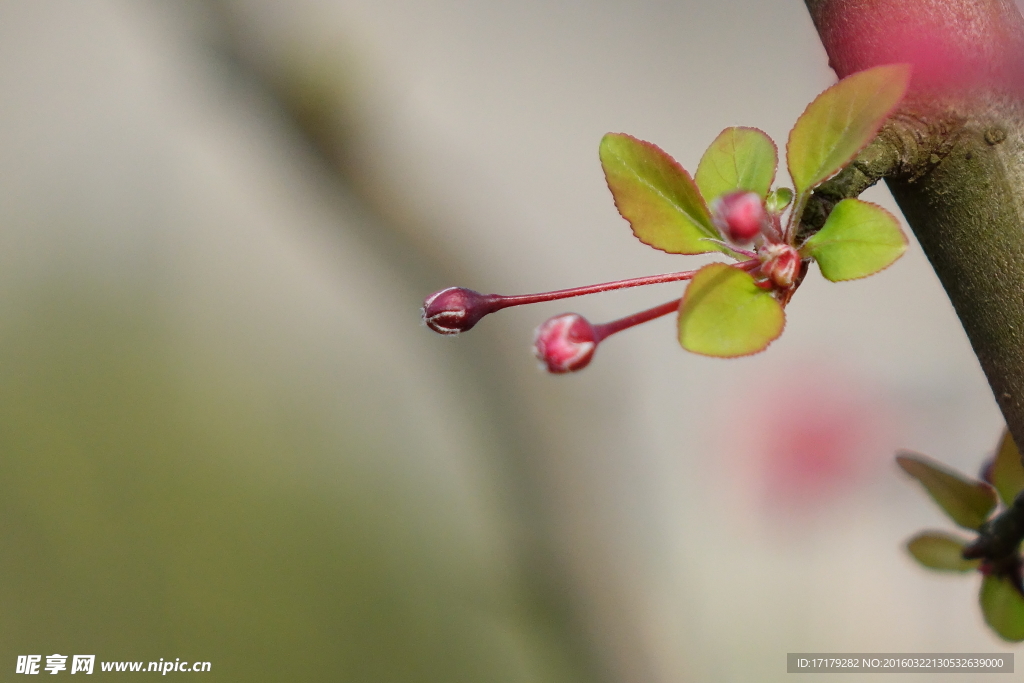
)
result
[(908, 147)]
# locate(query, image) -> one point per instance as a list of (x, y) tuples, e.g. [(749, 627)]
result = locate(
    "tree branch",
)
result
[(953, 157)]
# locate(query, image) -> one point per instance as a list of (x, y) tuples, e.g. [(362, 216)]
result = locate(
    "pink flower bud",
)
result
[(565, 343), (454, 310), (740, 215), (780, 263)]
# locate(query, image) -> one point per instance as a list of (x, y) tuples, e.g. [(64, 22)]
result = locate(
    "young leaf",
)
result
[(967, 502), (941, 551), (725, 314), (1003, 607), (738, 159), (1007, 472), (656, 196), (841, 121), (857, 240), (779, 199)]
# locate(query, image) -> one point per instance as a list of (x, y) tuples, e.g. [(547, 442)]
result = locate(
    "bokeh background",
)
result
[(225, 436)]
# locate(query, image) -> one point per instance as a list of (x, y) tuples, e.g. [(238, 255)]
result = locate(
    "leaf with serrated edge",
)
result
[(657, 197), (725, 314), (940, 551), (1007, 472), (966, 501), (1003, 607), (739, 159), (857, 240), (841, 121)]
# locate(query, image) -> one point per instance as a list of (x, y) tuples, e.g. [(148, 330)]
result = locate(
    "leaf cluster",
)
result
[(738, 309), (985, 507)]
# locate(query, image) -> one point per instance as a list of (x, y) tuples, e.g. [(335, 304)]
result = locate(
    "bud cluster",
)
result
[(744, 219), (567, 342)]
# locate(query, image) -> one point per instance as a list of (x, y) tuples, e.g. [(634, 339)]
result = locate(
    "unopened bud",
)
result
[(780, 263), (454, 310), (740, 215), (565, 343)]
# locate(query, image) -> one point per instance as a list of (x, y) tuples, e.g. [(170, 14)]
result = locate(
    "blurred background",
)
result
[(225, 435)]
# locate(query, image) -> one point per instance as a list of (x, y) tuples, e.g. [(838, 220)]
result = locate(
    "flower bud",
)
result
[(454, 310), (780, 263), (565, 343), (740, 215)]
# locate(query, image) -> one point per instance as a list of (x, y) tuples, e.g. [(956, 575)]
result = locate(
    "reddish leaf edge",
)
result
[(903, 233), (870, 140), (771, 341), (678, 167), (775, 148), (904, 454)]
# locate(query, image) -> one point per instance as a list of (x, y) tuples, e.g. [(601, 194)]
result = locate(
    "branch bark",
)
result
[(953, 157)]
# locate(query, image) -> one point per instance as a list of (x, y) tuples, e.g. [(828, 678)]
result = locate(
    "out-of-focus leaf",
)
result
[(857, 240), (941, 551), (841, 121), (779, 199), (739, 159), (1003, 607), (725, 314), (967, 502), (1007, 472), (657, 196)]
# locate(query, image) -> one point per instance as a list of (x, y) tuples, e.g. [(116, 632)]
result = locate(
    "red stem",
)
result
[(607, 329), (496, 302)]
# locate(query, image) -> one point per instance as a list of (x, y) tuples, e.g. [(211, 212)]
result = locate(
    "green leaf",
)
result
[(967, 502), (1007, 472), (738, 159), (779, 199), (841, 121), (941, 551), (657, 197), (1003, 607), (857, 240), (725, 314)]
